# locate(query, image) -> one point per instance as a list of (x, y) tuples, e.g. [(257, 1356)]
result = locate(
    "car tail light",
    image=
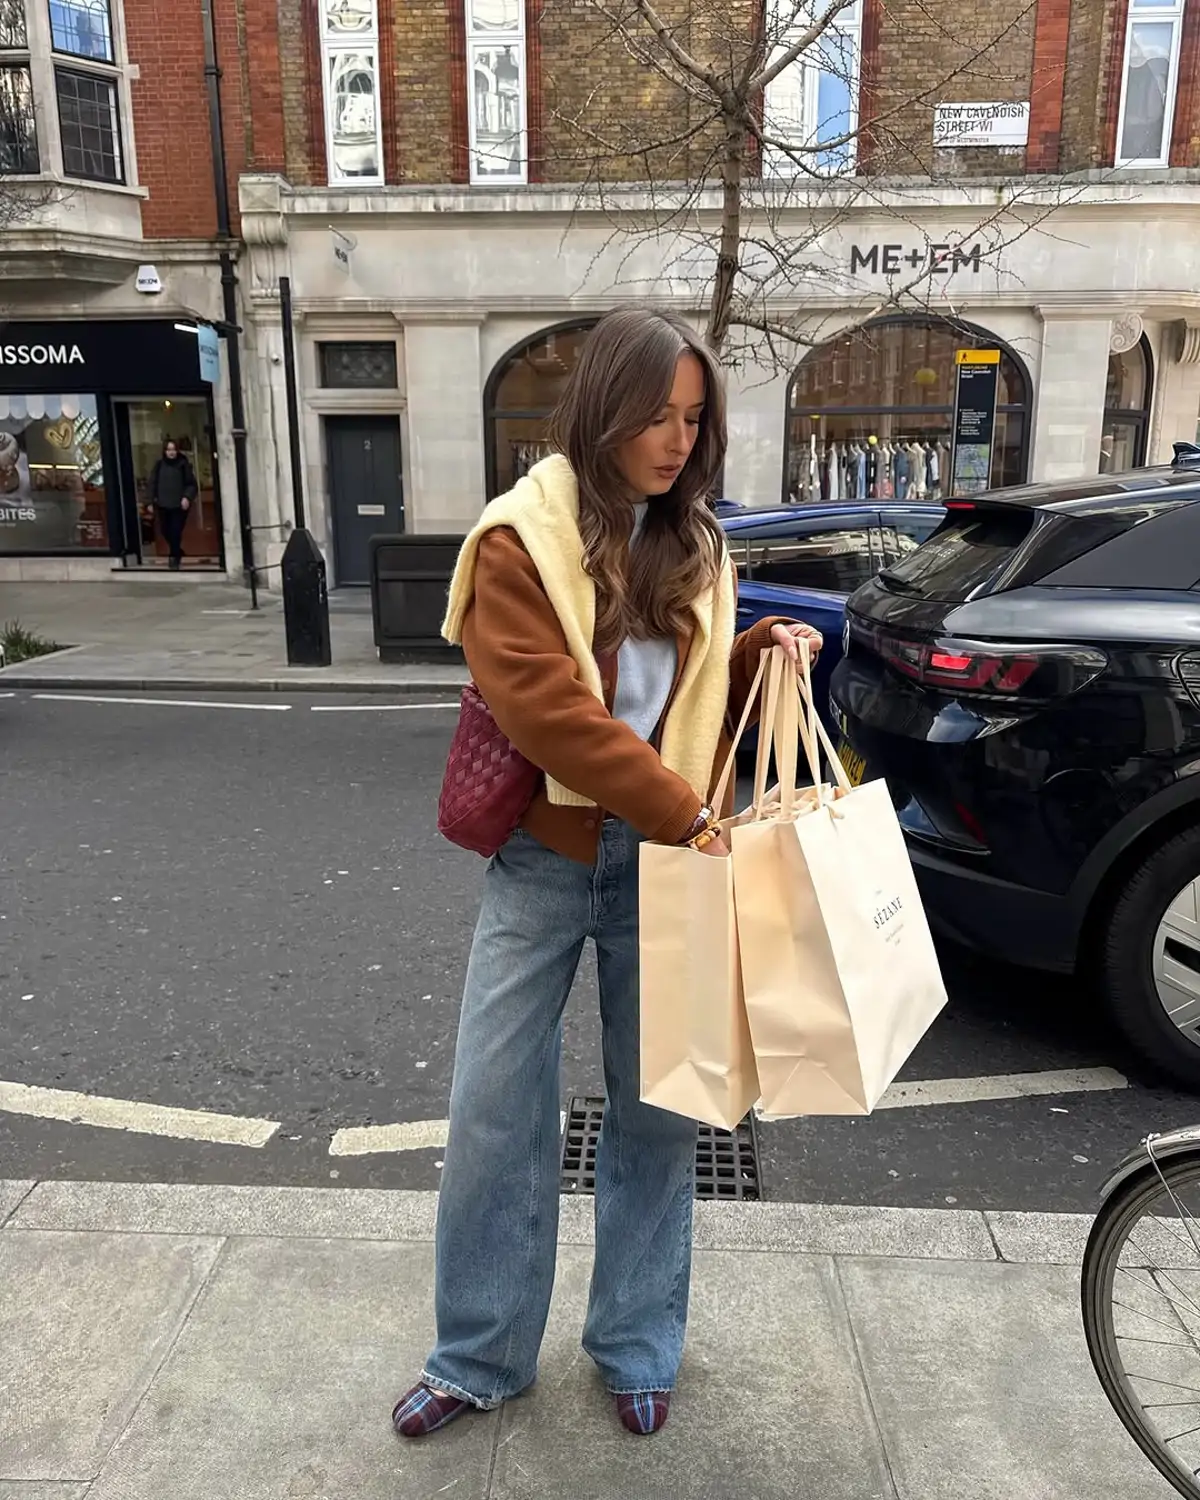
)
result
[(991, 670)]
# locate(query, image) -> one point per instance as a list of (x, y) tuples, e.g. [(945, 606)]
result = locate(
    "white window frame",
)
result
[(44, 66), (1163, 12), (338, 46), (478, 40), (807, 70)]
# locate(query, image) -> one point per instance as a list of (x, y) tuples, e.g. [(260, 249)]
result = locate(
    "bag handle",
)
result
[(811, 725), (783, 731), (766, 727), (726, 776)]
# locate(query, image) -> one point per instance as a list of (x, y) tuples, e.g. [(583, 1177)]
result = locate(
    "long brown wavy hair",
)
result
[(620, 385)]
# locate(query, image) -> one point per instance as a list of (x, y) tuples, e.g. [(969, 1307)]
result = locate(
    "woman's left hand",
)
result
[(790, 636)]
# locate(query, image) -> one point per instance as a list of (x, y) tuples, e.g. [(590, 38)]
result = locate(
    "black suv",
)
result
[(1028, 682)]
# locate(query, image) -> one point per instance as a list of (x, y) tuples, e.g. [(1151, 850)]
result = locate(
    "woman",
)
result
[(173, 490), (595, 603)]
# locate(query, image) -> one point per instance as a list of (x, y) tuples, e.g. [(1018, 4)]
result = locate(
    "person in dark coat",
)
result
[(173, 491)]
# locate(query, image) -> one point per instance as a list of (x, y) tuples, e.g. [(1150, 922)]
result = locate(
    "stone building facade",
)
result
[(456, 188)]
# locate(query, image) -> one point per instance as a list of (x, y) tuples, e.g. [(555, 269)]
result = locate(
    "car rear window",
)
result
[(971, 548)]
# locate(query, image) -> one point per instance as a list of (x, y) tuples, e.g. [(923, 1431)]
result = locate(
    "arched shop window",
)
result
[(870, 414), (1127, 408), (520, 394)]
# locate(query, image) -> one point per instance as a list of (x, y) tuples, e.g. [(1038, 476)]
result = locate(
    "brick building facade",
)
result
[(415, 168)]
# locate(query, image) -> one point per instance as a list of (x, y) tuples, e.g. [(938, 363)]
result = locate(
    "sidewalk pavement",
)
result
[(161, 633), (225, 1343)]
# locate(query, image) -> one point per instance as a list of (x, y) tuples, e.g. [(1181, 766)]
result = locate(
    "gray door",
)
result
[(364, 489)]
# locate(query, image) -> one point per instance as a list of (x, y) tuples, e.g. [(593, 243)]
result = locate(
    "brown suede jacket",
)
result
[(518, 657)]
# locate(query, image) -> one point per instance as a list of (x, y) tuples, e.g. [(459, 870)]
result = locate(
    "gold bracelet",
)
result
[(705, 837)]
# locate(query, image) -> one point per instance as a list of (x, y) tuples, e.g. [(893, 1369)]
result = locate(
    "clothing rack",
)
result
[(524, 454), (901, 468)]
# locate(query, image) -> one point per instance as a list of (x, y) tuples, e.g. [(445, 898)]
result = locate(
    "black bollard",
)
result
[(305, 602)]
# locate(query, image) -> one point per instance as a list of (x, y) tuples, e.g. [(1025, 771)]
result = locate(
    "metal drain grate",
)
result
[(726, 1160)]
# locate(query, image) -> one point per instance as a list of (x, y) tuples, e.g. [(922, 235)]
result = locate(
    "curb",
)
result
[(241, 684), (984, 1237)]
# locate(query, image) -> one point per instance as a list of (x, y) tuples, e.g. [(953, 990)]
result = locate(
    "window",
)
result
[(60, 90), (902, 534), (90, 126), (496, 90), (18, 125), (1149, 82), (82, 28), (52, 495), (838, 559), (870, 414), (813, 103), (1126, 409), (520, 394), (350, 69), (359, 366)]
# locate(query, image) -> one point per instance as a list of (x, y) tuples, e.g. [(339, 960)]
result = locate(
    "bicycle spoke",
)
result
[(1177, 1385), (1132, 1338), (1150, 1318), (1151, 1286), (1185, 1218)]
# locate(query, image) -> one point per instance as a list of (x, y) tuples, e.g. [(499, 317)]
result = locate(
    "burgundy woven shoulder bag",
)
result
[(488, 784)]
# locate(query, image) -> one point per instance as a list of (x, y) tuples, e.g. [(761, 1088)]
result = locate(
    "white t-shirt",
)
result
[(645, 669)]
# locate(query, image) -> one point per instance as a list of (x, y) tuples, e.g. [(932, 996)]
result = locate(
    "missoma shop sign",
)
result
[(115, 356), (41, 354)]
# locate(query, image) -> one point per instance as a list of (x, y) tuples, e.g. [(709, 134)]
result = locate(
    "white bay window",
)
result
[(62, 90)]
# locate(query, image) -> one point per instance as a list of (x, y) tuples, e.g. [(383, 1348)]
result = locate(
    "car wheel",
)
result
[(1150, 958)]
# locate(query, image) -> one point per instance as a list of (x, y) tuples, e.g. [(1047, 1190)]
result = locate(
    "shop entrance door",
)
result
[(143, 426), (365, 489)]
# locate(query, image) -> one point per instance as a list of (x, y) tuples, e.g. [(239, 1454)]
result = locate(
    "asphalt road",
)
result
[(249, 911)]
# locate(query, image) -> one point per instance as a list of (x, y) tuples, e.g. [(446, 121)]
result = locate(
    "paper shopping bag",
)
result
[(696, 1055), (840, 975)]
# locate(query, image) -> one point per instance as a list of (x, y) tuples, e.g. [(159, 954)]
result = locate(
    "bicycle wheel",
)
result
[(1141, 1313)]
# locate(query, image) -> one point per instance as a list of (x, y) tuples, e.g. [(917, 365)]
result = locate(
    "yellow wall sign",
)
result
[(977, 356)]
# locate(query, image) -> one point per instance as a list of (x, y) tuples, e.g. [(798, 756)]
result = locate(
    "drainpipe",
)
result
[(237, 401)]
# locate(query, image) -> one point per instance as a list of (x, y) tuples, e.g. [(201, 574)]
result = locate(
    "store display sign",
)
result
[(52, 496), (959, 125), (130, 356), (210, 354), (974, 419)]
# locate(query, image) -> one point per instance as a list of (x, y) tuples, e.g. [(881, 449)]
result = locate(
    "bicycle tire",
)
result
[(1108, 1235)]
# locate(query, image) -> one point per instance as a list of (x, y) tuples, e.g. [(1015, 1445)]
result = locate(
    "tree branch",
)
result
[(796, 49)]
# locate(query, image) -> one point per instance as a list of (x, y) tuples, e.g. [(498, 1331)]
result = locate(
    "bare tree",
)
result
[(740, 153)]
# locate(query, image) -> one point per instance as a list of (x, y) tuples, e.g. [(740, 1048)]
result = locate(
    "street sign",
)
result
[(959, 125), (343, 247), (974, 419), (210, 354)]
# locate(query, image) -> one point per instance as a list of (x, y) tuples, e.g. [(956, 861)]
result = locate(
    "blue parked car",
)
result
[(805, 561)]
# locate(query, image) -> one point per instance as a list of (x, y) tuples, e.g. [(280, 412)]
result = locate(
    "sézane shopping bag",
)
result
[(840, 975), (696, 1056)]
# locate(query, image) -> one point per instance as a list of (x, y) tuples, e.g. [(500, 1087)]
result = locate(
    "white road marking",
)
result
[(8, 695), (422, 1135), (1002, 1086), (132, 1115), (367, 1140), (374, 708), (263, 708)]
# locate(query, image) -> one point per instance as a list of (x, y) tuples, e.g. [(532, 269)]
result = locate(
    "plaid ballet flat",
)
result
[(423, 1411)]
